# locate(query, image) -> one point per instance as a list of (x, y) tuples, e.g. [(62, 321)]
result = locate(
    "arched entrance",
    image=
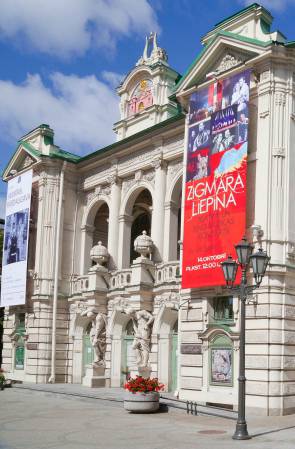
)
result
[(174, 357), (19, 360), (128, 356), (166, 327), (87, 348)]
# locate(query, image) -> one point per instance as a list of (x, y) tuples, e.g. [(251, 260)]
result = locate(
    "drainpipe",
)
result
[(185, 143), (176, 393), (56, 273)]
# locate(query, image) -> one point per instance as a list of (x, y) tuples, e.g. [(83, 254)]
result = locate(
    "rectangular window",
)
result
[(223, 309)]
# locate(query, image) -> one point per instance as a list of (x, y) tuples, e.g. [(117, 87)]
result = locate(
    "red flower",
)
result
[(140, 384)]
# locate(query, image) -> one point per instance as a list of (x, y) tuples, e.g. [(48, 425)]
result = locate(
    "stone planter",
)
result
[(141, 402)]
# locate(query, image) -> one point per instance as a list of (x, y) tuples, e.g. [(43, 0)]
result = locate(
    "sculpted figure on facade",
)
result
[(97, 334), (142, 321)]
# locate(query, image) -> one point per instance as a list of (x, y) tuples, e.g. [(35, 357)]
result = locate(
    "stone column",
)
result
[(171, 227), (87, 243), (114, 222), (125, 223), (158, 214), (46, 231)]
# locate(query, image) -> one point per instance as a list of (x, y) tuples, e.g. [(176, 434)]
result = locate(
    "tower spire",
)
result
[(152, 53)]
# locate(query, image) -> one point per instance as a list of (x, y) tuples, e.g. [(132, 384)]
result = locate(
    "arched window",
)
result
[(141, 219), (221, 361), (141, 97), (129, 330), (101, 225)]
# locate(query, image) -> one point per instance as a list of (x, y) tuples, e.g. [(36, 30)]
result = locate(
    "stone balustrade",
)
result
[(168, 272), (120, 279), (79, 284)]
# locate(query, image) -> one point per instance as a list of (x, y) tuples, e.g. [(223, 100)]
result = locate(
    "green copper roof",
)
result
[(29, 148), (61, 154), (235, 36), (142, 133), (56, 152), (240, 12)]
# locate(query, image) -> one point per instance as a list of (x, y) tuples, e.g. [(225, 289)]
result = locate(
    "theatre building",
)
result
[(105, 297)]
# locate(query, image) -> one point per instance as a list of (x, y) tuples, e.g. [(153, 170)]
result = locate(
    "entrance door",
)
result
[(87, 349), (128, 359), (174, 357), (20, 344)]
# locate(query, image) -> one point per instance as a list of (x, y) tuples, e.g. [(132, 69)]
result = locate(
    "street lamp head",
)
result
[(259, 261), (229, 268), (244, 250)]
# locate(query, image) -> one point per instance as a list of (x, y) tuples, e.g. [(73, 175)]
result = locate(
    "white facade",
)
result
[(135, 185)]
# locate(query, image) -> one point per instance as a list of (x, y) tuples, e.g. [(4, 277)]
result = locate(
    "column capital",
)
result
[(159, 162), (114, 179), (171, 205), (87, 228), (125, 218)]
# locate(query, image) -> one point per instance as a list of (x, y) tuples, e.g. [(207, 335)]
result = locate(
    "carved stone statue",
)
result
[(142, 321), (97, 334)]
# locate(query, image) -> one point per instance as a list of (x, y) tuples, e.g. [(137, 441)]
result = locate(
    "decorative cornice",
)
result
[(278, 152), (228, 62), (263, 114)]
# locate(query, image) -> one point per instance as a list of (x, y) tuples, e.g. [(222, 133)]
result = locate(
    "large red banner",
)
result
[(215, 190)]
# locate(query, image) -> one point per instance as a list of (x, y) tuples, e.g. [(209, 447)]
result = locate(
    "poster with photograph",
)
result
[(221, 366), (15, 244), (216, 169)]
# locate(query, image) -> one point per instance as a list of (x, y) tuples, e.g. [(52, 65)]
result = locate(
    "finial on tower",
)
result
[(152, 53)]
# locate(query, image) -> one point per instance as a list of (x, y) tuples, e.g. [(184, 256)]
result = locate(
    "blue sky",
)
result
[(61, 61)]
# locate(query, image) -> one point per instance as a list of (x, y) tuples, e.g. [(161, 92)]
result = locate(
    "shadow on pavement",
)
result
[(271, 431)]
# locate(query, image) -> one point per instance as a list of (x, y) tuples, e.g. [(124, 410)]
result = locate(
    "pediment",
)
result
[(23, 158), (224, 53), (228, 60)]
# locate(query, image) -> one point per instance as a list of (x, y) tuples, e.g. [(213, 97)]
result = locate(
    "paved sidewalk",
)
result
[(117, 395), (40, 420)]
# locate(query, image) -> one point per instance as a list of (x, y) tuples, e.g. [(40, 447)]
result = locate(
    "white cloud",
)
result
[(277, 5), (112, 78), (80, 110), (66, 27)]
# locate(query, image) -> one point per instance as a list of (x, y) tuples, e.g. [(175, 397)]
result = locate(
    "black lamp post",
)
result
[(259, 261)]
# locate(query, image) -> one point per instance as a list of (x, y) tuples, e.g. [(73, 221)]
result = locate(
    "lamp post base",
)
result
[(241, 432)]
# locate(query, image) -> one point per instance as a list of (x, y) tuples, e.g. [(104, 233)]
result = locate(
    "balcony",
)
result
[(167, 273), (79, 285), (120, 279)]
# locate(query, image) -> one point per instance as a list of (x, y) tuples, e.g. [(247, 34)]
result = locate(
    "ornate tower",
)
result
[(144, 93)]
